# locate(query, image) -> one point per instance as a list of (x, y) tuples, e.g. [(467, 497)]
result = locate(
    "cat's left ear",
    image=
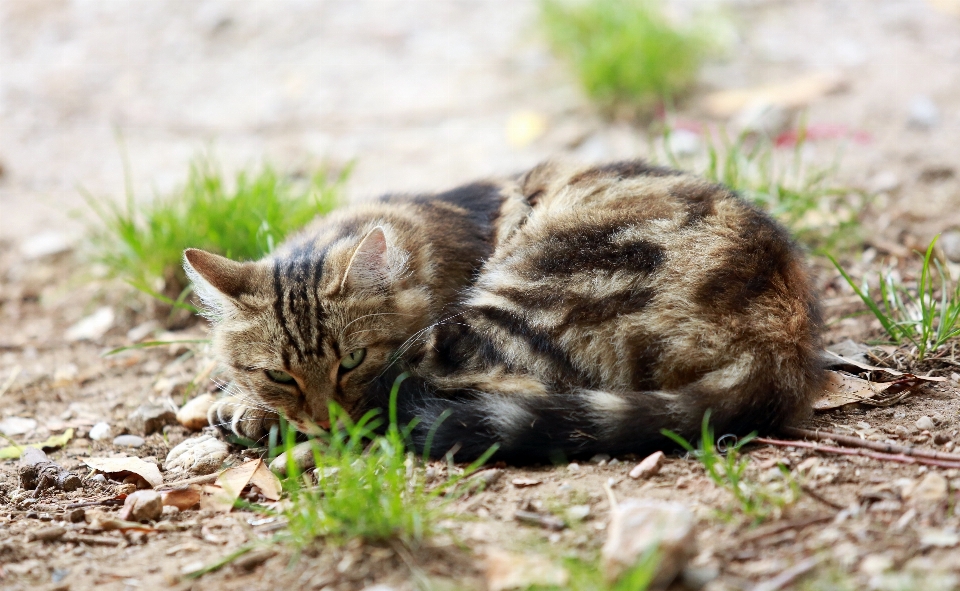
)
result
[(218, 281), (368, 268)]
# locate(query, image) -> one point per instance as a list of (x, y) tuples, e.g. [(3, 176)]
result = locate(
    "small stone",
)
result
[(142, 505), (929, 492), (11, 426), (648, 467), (614, 462), (683, 142), (600, 458), (46, 534), (100, 431), (200, 455), (302, 457), (44, 245), (98, 478), (126, 489), (941, 437), (193, 414), (573, 467), (151, 417), (698, 577), (170, 511), (950, 244), (923, 112), (925, 423), (76, 515), (506, 571), (577, 513), (901, 431), (93, 327), (938, 418), (639, 525), (128, 441)]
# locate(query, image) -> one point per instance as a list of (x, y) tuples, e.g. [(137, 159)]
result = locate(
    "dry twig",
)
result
[(847, 451), (888, 448)]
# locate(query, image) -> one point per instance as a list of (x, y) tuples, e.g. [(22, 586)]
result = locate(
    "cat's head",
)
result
[(317, 322)]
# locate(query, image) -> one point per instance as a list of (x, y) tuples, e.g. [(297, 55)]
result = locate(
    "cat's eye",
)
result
[(353, 359), (280, 377)]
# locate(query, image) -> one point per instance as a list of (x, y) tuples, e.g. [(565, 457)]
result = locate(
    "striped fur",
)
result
[(600, 306)]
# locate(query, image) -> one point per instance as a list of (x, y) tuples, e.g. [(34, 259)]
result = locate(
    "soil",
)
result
[(422, 94)]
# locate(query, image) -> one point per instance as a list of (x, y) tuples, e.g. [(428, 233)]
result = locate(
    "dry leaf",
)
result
[(232, 481), (517, 571), (794, 94), (267, 482), (149, 472), (839, 361), (842, 389), (181, 498), (525, 482)]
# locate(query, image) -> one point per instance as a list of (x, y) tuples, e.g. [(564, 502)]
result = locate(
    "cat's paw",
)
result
[(231, 415)]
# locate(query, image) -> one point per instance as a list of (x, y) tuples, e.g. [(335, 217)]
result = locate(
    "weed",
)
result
[(366, 487), (821, 215), (144, 242), (915, 316), (727, 469), (626, 53)]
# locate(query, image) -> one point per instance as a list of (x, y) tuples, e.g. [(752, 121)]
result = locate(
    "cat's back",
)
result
[(648, 279)]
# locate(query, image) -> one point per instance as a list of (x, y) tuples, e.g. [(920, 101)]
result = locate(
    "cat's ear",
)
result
[(369, 267), (218, 281)]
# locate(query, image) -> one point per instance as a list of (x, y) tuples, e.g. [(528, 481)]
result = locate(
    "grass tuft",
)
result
[(144, 242), (728, 469), (626, 53), (367, 486), (915, 315)]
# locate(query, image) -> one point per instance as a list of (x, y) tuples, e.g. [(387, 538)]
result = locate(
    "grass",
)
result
[(822, 215), (144, 242), (915, 315), (728, 469), (626, 53), (367, 486)]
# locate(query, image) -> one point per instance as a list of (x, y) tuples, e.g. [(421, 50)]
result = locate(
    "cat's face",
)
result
[(314, 325)]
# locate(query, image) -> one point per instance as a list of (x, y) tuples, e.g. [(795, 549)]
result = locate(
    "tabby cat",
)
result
[(565, 312)]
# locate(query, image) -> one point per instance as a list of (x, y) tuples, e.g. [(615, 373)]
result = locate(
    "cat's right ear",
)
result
[(218, 281)]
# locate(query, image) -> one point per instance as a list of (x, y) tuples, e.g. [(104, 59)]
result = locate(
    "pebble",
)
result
[(639, 525), (76, 515), (600, 458), (93, 327), (923, 112), (925, 423), (573, 467), (950, 244), (683, 142), (200, 455), (941, 437), (128, 441), (142, 505), (901, 431), (46, 534), (98, 478), (576, 513), (929, 492), (151, 417), (100, 431), (648, 467), (44, 245), (193, 414), (302, 458), (11, 426)]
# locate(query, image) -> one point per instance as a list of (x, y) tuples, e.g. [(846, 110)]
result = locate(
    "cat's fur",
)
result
[(567, 312)]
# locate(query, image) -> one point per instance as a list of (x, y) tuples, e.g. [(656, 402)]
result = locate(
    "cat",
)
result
[(562, 313)]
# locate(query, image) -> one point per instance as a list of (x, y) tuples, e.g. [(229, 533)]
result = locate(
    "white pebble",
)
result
[(100, 431)]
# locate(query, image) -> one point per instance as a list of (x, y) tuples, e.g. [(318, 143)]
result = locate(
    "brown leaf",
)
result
[(842, 389), (267, 482), (839, 361), (181, 498), (127, 465)]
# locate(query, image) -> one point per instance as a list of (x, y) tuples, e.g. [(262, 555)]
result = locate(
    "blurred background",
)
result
[(423, 94)]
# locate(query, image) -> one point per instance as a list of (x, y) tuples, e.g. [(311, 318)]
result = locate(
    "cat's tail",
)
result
[(564, 426)]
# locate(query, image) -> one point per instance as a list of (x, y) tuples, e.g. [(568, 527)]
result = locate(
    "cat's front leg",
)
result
[(231, 414)]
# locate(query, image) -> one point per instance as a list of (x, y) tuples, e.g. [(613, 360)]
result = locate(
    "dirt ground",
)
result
[(422, 94)]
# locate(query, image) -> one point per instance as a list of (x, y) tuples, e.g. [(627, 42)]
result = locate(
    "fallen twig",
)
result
[(205, 479), (788, 576), (818, 497), (91, 540), (889, 448), (776, 528), (100, 503), (847, 451), (545, 521)]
